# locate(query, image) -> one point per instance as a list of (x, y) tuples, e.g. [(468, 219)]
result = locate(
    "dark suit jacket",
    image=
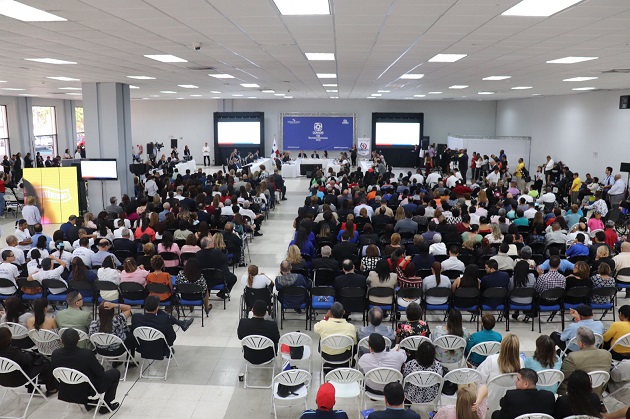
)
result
[(126, 244), (344, 249), (82, 360), (394, 414), (520, 402), (161, 322), (350, 280), (233, 242), (24, 360), (257, 326), (325, 263), (212, 258)]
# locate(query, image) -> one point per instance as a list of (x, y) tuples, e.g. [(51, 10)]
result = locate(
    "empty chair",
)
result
[(12, 377), (348, 383)]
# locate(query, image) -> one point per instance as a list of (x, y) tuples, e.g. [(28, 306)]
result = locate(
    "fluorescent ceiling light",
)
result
[(330, 85), (69, 88), (585, 88), (571, 60), (458, 86), (154, 95), (74, 94), (180, 98), (332, 91), (166, 58), (581, 79), (419, 95), (167, 91), (320, 56), (131, 86), (410, 76), (216, 97), (435, 93), (288, 97), (237, 95), (447, 58), (254, 85), (383, 91), (188, 86), (3, 81), (371, 97), (216, 92), (12, 89), (279, 94), (221, 76), (269, 91), (195, 95), (376, 94), (334, 97), (493, 78), (539, 8), (25, 13), (485, 93), (522, 87), (252, 97), (537, 94), (49, 60), (141, 77), (62, 78), (326, 75), (310, 7)]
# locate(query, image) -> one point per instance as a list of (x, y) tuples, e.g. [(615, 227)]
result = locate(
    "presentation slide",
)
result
[(397, 134), (99, 170), (317, 132), (238, 132), (55, 190)]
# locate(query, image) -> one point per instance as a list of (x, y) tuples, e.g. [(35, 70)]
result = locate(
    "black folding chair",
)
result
[(353, 300), (496, 299), (132, 293), (385, 293), (409, 293), (550, 301), (323, 277), (522, 299), (190, 295), (608, 293), (441, 293), (467, 299), (215, 280), (294, 298)]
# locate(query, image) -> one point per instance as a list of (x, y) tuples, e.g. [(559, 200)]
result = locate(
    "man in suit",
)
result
[(209, 257), (525, 399), (126, 243), (494, 279), (259, 326), (84, 360), (394, 404), (279, 182), (344, 248), (325, 261), (589, 358), (349, 277)]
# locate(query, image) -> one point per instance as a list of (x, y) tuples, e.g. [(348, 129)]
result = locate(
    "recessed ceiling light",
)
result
[(334, 97), (25, 94), (195, 95), (279, 94), (537, 94), (288, 97), (13, 89), (485, 93), (447, 58), (49, 60), (383, 91), (493, 78), (371, 97), (269, 91), (167, 91), (326, 75), (69, 88), (19, 11), (154, 95), (311, 7), (410, 76), (131, 86), (581, 79), (216, 97), (458, 86), (180, 98), (320, 56), (539, 8), (419, 95), (74, 94), (3, 81), (63, 78), (222, 76), (522, 87), (216, 92), (377, 94), (584, 88), (252, 97), (332, 91), (435, 93), (237, 95), (571, 60), (141, 77), (166, 58), (188, 86), (253, 85), (330, 85)]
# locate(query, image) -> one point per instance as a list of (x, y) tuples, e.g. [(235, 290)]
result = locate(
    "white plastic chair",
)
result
[(460, 376), (411, 343), (105, 340), (82, 334), (484, 349), (338, 343), (381, 376), (426, 379), (599, 340), (599, 379), (70, 376), (290, 378), (259, 343), (497, 387), (348, 383), (451, 343), (365, 345), (17, 330), (549, 378), (149, 334), (580, 417), (44, 340), (622, 341), (534, 416), (295, 339), (8, 366)]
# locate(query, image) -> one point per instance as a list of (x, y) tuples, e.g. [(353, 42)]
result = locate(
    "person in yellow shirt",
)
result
[(334, 324), (616, 331), (575, 188), (520, 182)]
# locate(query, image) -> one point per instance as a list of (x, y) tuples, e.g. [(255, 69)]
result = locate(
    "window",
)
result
[(45, 130), (78, 123), (4, 132)]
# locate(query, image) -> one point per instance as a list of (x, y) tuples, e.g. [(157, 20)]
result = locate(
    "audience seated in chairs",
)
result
[(526, 398), (589, 358), (394, 404), (487, 334), (582, 317), (325, 401), (112, 319), (335, 324), (209, 257), (257, 325), (424, 360)]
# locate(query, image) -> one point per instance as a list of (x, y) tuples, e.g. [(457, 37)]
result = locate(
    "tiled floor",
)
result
[(205, 384)]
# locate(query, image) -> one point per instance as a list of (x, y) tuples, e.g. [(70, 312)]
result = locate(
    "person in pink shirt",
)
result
[(133, 273), (167, 245), (595, 222), (191, 245)]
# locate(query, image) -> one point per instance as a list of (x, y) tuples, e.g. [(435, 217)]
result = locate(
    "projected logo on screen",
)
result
[(318, 127), (318, 132), (61, 195)]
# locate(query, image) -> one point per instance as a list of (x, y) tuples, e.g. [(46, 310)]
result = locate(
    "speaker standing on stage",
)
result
[(206, 154), (353, 155)]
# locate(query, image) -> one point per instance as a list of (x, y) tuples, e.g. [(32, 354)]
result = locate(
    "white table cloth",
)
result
[(290, 170)]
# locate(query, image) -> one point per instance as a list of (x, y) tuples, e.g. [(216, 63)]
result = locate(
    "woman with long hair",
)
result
[(203, 230), (436, 279), (350, 228), (424, 361), (463, 408), (133, 273), (394, 243), (40, 321), (294, 257), (191, 245), (62, 253), (400, 214), (617, 330), (158, 276), (469, 279), (168, 245), (495, 236), (255, 280), (381, 277), (108, 272), (371, 258), (453, 327), (544, 358), (144, 229), (414, 326), (112, 319), (580, 398), (42, 246), (192, 274), (523, 277), (88, 221), (303, 243), (15, 311), (81, 273)]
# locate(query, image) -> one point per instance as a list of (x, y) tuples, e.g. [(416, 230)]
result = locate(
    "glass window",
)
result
[(78, 122), (45, 130), (4, 132)]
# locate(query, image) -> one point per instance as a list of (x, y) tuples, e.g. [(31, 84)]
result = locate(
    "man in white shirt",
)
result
[(363, 204), (451, 181), (23, 236), (8, 270), (433, 179), (379, 357), (494, 176), (83, 233), (616, 192), (49, 272), (530, 212), (227, 208), (418, 177), (150, 186), (84, 252), (549, 168), (205, 150), (452, 263), (548, 197), (474, 217)]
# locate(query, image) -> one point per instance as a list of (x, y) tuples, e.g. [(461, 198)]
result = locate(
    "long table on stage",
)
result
[(255, 166), (190, 164), (308, 165), (290, 170)]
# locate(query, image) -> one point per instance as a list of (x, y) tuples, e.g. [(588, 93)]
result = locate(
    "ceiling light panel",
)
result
[(585, 88), (69, 88), (188, 86), (62, 78), (410, 76), (326, 75), (458, 86), (19, 11), (320, 56), (166, 58), (141, 77), (221, 76), (330, 85), (485, 93), (522, 87), (252, 85), (539, 8), (571, 60), (581, 79), (304, 7), (447, 58), (495, 78), (49, 60)]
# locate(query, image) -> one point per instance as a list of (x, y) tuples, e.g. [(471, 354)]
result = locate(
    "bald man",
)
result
[(622, 260)]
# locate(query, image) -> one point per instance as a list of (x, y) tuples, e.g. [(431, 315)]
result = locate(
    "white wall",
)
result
[(159, 121), (586, 131)]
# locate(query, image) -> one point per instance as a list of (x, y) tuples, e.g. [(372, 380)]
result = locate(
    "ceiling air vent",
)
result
[(617, 70), (202, 68)]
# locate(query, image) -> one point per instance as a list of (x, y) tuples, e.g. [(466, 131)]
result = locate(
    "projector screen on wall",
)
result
[(101, 169), (238, 132), (397, 134)]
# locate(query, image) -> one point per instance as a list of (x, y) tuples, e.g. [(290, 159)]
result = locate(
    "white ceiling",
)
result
[(374, 41)]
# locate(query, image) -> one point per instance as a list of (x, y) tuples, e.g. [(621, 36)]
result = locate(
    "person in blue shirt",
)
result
[(394, 404), (545, 358), (69, 225), (573, 216), (487, 334), (39, 232), (494, 279), (565, 265), (325, 401), (582, 317), (578, 248)]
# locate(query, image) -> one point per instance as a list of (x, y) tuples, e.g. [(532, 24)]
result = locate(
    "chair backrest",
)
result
[(17, 330), (104, 340), (551, 296), (438, 292), (257, 342), (72, 377), (608, 292), (383, 375), (213, 276), (169, 256), (294, 339), (82, 334), (54, 283), (292, 378), (623, 341), (158, 288), (148, 334), (410, 292), (364, 343), (578, 293), (485, 348), (466, 297), (337, 342), (7, 283), (599, 378), (109, 285), (345, 376), (522, 293), (43, 335), (324, 277), (463, 376), (548, 378), (411, 343), (505, 381), (425, 379), (380, 292), (535, 416), (450, 342), (189, 291), (452, 274)]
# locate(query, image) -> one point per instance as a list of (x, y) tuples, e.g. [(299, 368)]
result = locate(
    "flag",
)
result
[(274, 147)]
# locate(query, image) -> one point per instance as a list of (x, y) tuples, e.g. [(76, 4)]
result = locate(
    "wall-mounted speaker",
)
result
[(624, 102), (173, 142)]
